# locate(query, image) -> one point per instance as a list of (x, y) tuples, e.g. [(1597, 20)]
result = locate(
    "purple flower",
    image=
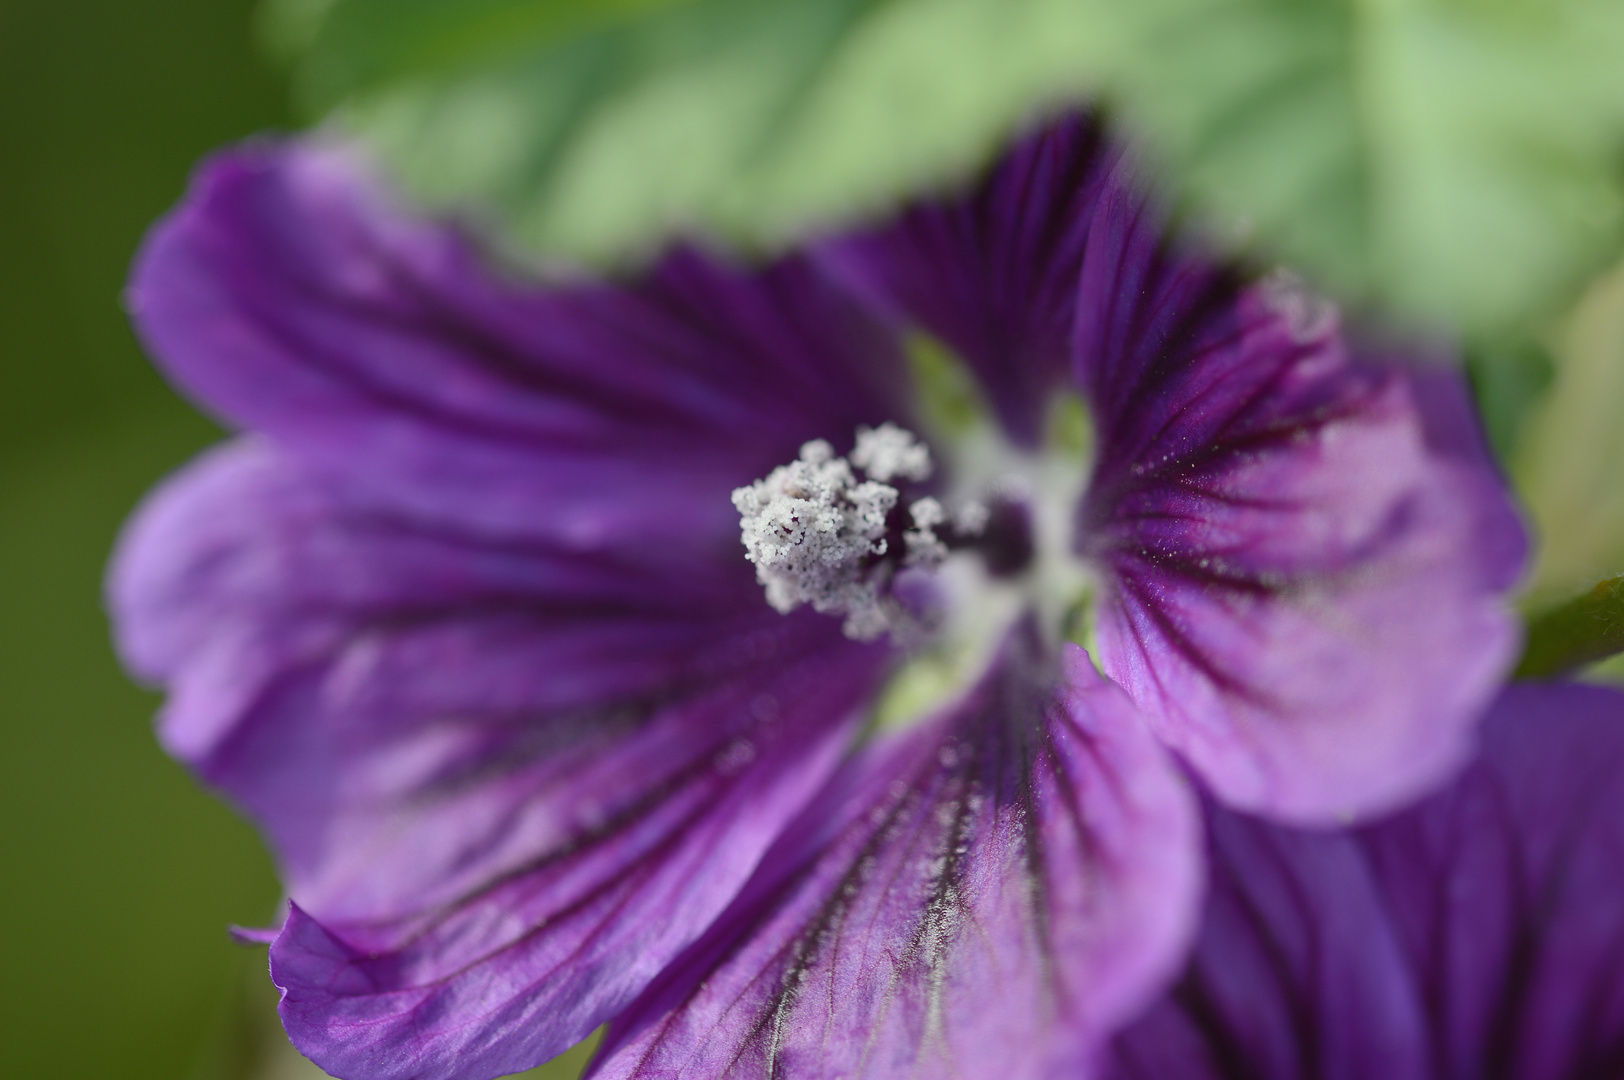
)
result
[(1479, 934), (463, 618)]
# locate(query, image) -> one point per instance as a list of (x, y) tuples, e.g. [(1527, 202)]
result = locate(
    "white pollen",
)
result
[(809, 527), (817, 452), (814, 529), (925, 548), (889, 451), (927, 512)]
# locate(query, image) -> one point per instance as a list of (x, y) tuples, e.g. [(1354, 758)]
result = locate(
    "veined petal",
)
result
[(410, 711), (634, 847), (249, 537), (1477, 934), (506, 783), (989, 894), (993, 273), (288, 295), (1307, 556)]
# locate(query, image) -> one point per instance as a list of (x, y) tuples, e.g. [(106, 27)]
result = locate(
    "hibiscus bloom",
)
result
[(463, 618), (1479, 934)]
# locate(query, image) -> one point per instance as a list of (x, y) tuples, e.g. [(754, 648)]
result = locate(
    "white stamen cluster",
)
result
[(811, 527), (889, 451), (925, 548)]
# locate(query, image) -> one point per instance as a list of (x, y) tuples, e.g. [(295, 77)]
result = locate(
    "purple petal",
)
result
[(993, 273), (409, 709), (511, 782), (989, 894), (1307, 558), (634, 842), (287, 295), (1479, 934)]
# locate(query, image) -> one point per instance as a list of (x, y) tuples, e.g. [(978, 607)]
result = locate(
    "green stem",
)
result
[(1588, 628)]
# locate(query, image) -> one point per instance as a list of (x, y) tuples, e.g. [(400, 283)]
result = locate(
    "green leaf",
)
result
[(594, 129), (1573, 635), (367, 42), (1569, 463), (289, 28), (1452, 158), (1455, 159), (1509, 379)]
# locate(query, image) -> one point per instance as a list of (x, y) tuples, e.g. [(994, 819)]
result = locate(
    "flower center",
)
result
[(819, 535), (943, 565)]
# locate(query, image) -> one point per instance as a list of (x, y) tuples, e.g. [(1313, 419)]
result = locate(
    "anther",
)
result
[(925, 548), (889, 451), (820, 535)]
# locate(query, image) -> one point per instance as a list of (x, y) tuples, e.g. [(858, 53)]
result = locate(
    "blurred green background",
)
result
[(121, 875)]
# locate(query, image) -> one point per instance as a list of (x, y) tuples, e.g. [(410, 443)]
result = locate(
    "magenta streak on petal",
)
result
[(1476, 935), (989, 894)]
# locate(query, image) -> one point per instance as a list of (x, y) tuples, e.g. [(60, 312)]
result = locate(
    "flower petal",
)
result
[(510, 783), (988, 894), (635, 844), (1307, 557), (289, 296), (411, 711), (993, 273), (1478, 934)]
